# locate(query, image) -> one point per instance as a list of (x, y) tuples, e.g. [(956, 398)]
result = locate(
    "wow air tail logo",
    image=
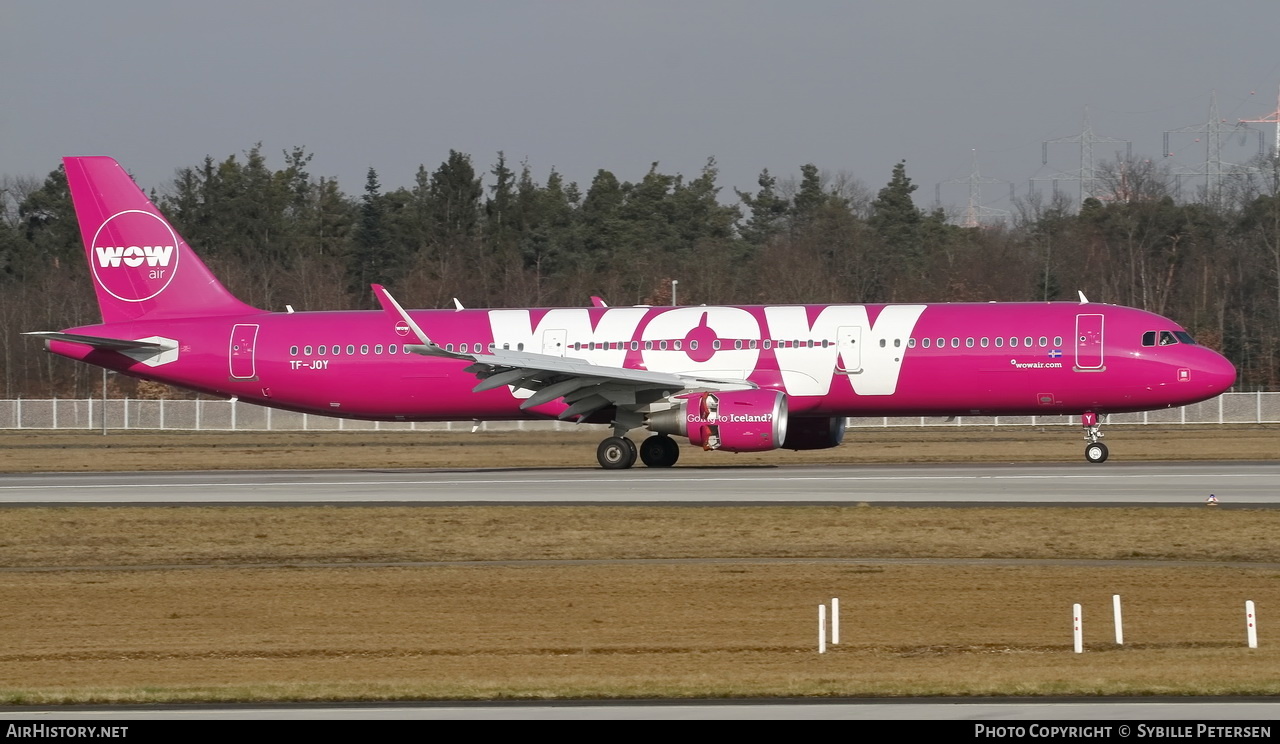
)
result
[(134, 256)]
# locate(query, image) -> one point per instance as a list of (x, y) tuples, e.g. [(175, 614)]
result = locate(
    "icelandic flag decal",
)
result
[(1055, 353)]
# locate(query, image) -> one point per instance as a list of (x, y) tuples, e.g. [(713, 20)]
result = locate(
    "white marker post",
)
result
[(822, 629), (1079, 635), (1115, 608), (1251, 620), (835, 621)]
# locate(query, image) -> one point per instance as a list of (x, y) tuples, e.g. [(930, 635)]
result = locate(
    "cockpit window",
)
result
[(1184, 337), (1149, 338), (1167, 338)]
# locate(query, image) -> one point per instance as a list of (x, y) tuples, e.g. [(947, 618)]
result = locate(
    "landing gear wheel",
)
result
[(659, 451), (1095, 452), (616, 453)]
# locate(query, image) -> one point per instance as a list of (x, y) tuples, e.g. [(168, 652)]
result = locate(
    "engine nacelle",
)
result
[(734, 421), (809, 432)]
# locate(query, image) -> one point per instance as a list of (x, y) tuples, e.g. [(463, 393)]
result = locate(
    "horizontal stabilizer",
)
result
[(101, 342), (152, 351)]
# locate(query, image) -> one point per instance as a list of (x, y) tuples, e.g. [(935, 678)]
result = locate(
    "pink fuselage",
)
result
[(835, 364)]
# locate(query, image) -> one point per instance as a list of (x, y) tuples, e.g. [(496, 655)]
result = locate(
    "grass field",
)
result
[(372, 603)]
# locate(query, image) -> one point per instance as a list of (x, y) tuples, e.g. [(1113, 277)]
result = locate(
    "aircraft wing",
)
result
[(586, 387)]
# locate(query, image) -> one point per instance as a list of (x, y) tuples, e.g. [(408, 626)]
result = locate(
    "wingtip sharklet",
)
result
[(427, 347)]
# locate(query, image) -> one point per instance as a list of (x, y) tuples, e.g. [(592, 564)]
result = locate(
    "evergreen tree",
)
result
[(768, 211), (897, 223), (47, 222), (372, 259), (455, 200)]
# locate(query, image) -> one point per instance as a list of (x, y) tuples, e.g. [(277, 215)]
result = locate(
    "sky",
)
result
[(852, 87)]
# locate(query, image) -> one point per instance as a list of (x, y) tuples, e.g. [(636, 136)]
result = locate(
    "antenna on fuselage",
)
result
[(457, 305), (1083, 300)]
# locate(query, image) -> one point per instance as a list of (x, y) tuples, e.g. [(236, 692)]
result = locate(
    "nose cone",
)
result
[(1215, 372)]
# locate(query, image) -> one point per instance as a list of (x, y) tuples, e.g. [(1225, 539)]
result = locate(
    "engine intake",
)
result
[(812, 432), (734, 421)]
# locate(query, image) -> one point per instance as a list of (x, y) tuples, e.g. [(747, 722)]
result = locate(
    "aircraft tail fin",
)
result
[(140, 266)]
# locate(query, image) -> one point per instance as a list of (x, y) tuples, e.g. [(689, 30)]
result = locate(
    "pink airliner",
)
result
[(731, 378)]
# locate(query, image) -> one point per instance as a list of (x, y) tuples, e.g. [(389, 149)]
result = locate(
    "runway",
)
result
[(1234, 484)]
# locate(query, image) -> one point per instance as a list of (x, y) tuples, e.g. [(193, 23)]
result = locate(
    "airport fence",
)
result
[(226, 415)]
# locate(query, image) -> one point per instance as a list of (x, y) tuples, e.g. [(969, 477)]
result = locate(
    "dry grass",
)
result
[(620, 630), (89, 537), (147, 604), (564, 602)]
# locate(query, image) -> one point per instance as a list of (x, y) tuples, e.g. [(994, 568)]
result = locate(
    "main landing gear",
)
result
[(619, 453), (1095, 451), (660, 451), (616, 453)]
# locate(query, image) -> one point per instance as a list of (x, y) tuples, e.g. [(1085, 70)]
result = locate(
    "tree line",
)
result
[(502, 238)]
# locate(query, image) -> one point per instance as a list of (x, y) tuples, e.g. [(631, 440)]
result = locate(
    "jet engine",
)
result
[(733, 421), (813, 432)]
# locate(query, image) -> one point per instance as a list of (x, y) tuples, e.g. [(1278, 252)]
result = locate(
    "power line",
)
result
[(975, 212), (1086, 174)]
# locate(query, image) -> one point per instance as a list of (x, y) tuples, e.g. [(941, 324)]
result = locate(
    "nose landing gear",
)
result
[(1095, 451)]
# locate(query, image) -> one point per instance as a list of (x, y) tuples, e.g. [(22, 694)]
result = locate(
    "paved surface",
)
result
[(1252, 484)]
